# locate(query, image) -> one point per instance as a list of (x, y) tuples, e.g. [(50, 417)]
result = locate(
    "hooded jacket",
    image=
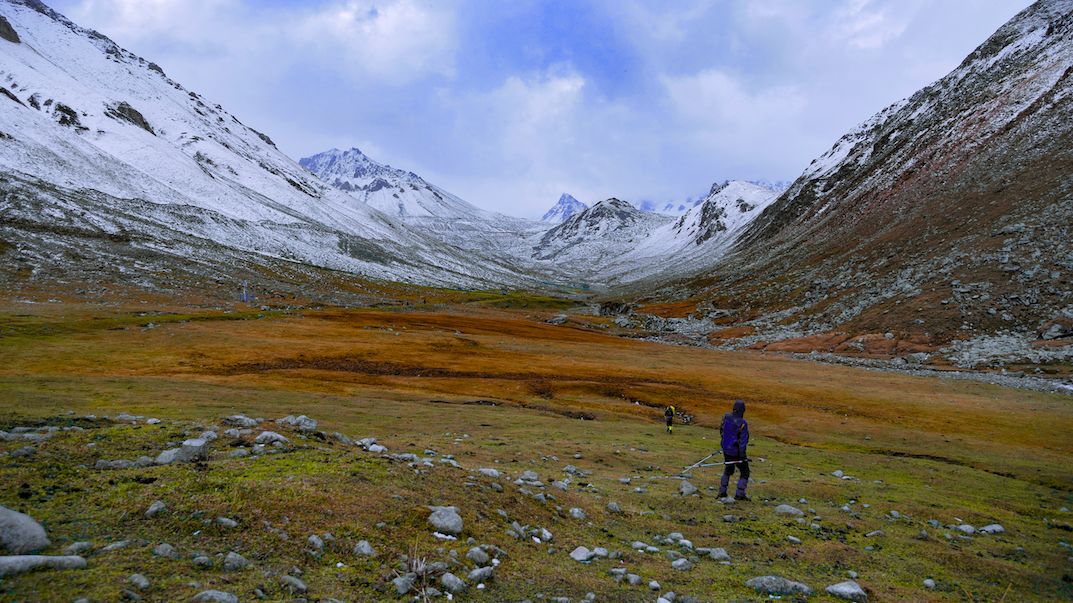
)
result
[(735, 431)]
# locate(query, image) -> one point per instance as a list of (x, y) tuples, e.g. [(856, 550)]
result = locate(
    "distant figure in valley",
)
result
[(735, 440), (668, 414)]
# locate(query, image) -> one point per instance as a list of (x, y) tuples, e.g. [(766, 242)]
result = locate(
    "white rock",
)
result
[(848, 590), (446, 520), (581, 554), (19, 533)]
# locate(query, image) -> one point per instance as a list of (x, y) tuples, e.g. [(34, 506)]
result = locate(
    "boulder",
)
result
[(777, 585), (364, 549), (300, 423), (789, 511), (19, 564), (19, 533), (848, 590), (686, 489), (452, 583), (446, 520), (214, 596), (582, 554), (992, 529)]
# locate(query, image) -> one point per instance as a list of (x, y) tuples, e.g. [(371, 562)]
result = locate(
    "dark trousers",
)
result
[(728, 471)]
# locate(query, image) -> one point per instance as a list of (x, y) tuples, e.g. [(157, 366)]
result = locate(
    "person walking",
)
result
[(735, 441), (668, 414)]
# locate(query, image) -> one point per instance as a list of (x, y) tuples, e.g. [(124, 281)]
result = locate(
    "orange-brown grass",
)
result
[(418, 378)]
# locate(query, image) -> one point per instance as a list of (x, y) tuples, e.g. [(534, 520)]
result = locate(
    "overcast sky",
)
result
[(509, 103)]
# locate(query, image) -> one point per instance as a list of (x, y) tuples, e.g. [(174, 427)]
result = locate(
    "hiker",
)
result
[(735, 440), (669, 415)]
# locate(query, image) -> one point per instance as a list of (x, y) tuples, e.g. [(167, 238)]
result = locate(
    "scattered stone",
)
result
[(166, 550), (582, 554), (682, 565), (929, 584), (719, 554), (405, 583), (364, 549), (452, 583), (730, 518), (270, 437), (874, 534), (152, 421), (240, 421), (992, 529), (653, 585), (488, 472), (19, 564), (965, 528), (777, 585), (614, 507), (156, 508), (578, 514), (478, 556), (633, 579), (77, 548), (226, 522), (214, 596), (292, 584), (238, 453), (481, 574), (191, 450), (233, 562), (789, 511), (848, 590), (19, 533), (139, 581), (793, 540), (202, 561), (839, 474), (446, 520), (686, 489), (25, 451), (299, 423)]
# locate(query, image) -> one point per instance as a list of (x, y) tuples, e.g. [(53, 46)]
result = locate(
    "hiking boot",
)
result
[(722, 494), (742, 497)]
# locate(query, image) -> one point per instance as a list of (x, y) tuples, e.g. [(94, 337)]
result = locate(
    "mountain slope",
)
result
[(565, 207), (93, 131), (944, 217)]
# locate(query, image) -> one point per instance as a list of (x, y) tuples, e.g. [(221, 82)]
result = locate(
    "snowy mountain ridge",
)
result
[(565, 207)]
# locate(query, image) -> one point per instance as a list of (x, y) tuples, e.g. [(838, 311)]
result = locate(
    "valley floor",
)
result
[(499, 388)]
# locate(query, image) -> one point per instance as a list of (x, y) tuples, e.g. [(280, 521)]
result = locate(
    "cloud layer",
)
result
[(508, 104)]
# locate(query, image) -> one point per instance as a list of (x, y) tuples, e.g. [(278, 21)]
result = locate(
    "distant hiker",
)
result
[(735, 440), (669, 416)]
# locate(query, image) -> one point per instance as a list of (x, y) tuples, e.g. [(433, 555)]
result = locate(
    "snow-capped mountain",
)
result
[(98, 145), (593, 234), (945, 216), (395, 192), (565, 207)]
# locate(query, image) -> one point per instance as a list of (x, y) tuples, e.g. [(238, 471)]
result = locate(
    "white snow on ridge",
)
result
[(565, 207)]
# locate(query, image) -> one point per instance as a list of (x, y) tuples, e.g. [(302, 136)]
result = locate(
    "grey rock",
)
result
[(25, 451), (166, 550), (929, 584), (777, 585), (965, 529), (874, 534), (686, 489), (156, 508), (18, 564), (270, 437), (202, 561), (481, 574), (614, 507), (719, 554), (364, 549), (77, 548), (682, 565), (292, 585), (233, 562), (299, 423), (478, 556), (405, 583), (342, 438), (139, 581), (789, 511), (446, 520), (115, 546), (316, 542), (214, 596), (578, 514), (992, 529), (653, 585), (19, 533), (488, 472), (529, 476), (633, 579), (582, 554), (238, 453), (793, 540), (452, 583), (240, 421), (848, 590)]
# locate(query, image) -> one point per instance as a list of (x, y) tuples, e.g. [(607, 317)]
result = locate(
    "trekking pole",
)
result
[(698, 463)]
